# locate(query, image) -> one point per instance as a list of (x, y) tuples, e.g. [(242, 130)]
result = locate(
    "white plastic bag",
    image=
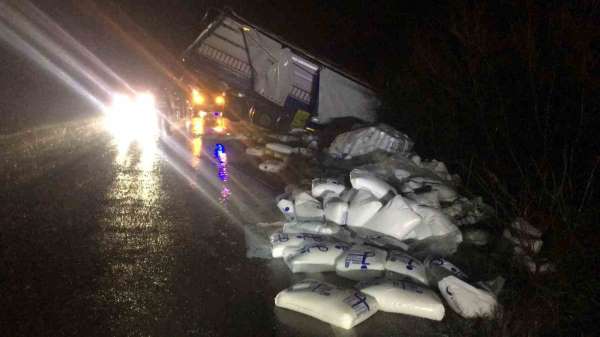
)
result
[(364, 180), (344, 308), (320, 186), (280, 241), (336, 210), (466, 300), (314, 258), (280, 148), (307, 208), (313, 227), (363, 206), (395, 219), (439, 268), (361, 262), (429, 199), (255, 151), (286, 207), (401, 263), (434, 222), (404, 297), (272, 166)]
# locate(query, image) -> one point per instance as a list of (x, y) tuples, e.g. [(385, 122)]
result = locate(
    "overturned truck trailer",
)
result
[(273, 82)]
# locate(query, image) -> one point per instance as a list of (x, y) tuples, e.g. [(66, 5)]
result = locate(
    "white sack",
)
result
[(364, 180), (404, 264), (273, 166), (286, 207), (361, 263), (466, 300), (312, 227), (445, 193), (336, 210), (429, 199), (395, 219), (314, 258), (344, 308), (307, 208), (363, 206), (434, 222), (255, 151), (367, 140), (320, 186), (439, 268), (404, 297), (281, 241), (280, 148)]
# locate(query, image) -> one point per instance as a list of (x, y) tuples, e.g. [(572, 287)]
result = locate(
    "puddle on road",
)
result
[(136, 240)]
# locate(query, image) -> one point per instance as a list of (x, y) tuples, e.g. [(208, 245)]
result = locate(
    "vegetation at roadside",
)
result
[(507, 94)]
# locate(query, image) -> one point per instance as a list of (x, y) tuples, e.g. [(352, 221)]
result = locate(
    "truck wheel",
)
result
[(265, 120)]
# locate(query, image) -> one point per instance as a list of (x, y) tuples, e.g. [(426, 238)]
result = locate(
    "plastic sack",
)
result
[(344, 308), (312, 227), (348, 195), (395, 219), (280, 241), (401, 263), (280, 148), (439, 268), (286, 206), (255, 151), (361, 262), (272, 166), (307, 208), (336, 210), (364, 180), (443, 245), (320, 186), (363, 207), (434, 222), (314, 258), (366, 140), (429, 199), (466, 300), (404, 297)]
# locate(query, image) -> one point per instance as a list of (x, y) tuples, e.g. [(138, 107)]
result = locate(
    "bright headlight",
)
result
[(197, 98), (133, 118)]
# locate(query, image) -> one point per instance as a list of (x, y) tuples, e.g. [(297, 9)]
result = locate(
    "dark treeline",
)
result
[(508, 94)]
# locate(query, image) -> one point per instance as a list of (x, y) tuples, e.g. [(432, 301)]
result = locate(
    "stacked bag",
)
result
[(361, 233)]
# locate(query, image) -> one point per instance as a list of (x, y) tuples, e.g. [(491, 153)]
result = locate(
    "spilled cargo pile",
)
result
[(391, 225)]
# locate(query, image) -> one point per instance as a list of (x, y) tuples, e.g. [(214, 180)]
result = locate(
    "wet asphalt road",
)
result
[(102, 238)]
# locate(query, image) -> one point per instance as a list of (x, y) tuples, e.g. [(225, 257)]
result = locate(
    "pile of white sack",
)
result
[(390, 226), (368, 232), (276, 152)]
